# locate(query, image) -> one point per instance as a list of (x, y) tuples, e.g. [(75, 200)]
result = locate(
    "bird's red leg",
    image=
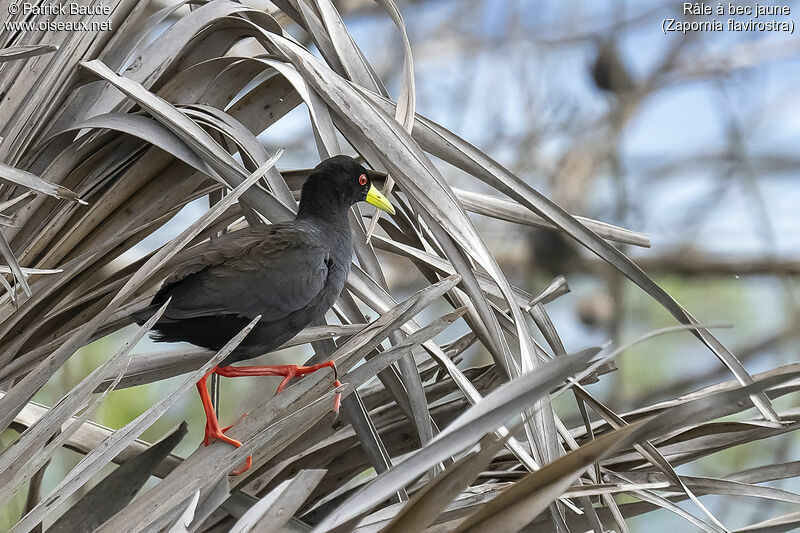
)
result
[(213, 431), (287, 371)]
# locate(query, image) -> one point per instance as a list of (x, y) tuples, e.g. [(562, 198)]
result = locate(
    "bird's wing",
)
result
[(218, 250), (269, 271)]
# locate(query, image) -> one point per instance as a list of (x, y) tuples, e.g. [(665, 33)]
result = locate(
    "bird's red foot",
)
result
[(218, 433), (213, 431), (287, 371)]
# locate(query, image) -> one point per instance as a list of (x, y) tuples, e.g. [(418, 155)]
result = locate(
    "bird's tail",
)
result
[(143, 315)]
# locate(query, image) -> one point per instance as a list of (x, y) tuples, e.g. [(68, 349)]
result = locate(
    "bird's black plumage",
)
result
[(290, 273)]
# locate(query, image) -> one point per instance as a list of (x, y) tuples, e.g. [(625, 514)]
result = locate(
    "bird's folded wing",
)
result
[(248, 275), (220, 249)]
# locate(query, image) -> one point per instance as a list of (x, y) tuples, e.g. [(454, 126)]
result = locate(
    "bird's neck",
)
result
[(331, 217), (325, 209), (332, 224)]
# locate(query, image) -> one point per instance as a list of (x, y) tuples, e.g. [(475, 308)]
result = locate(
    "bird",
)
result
[(289, 273)]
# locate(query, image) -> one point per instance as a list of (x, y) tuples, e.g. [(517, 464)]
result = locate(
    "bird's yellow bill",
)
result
[(375, 198)]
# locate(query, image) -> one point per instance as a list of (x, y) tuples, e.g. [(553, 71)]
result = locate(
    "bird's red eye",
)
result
[(362, 179)]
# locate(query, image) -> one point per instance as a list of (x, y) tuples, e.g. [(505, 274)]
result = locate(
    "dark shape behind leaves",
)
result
[(609, 72), (117, 489), (554, 252)]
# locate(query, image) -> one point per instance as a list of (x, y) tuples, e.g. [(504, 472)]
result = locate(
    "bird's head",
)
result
[(339, 182)]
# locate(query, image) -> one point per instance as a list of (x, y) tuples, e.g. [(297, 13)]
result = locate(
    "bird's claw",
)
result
[(211, 435)]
